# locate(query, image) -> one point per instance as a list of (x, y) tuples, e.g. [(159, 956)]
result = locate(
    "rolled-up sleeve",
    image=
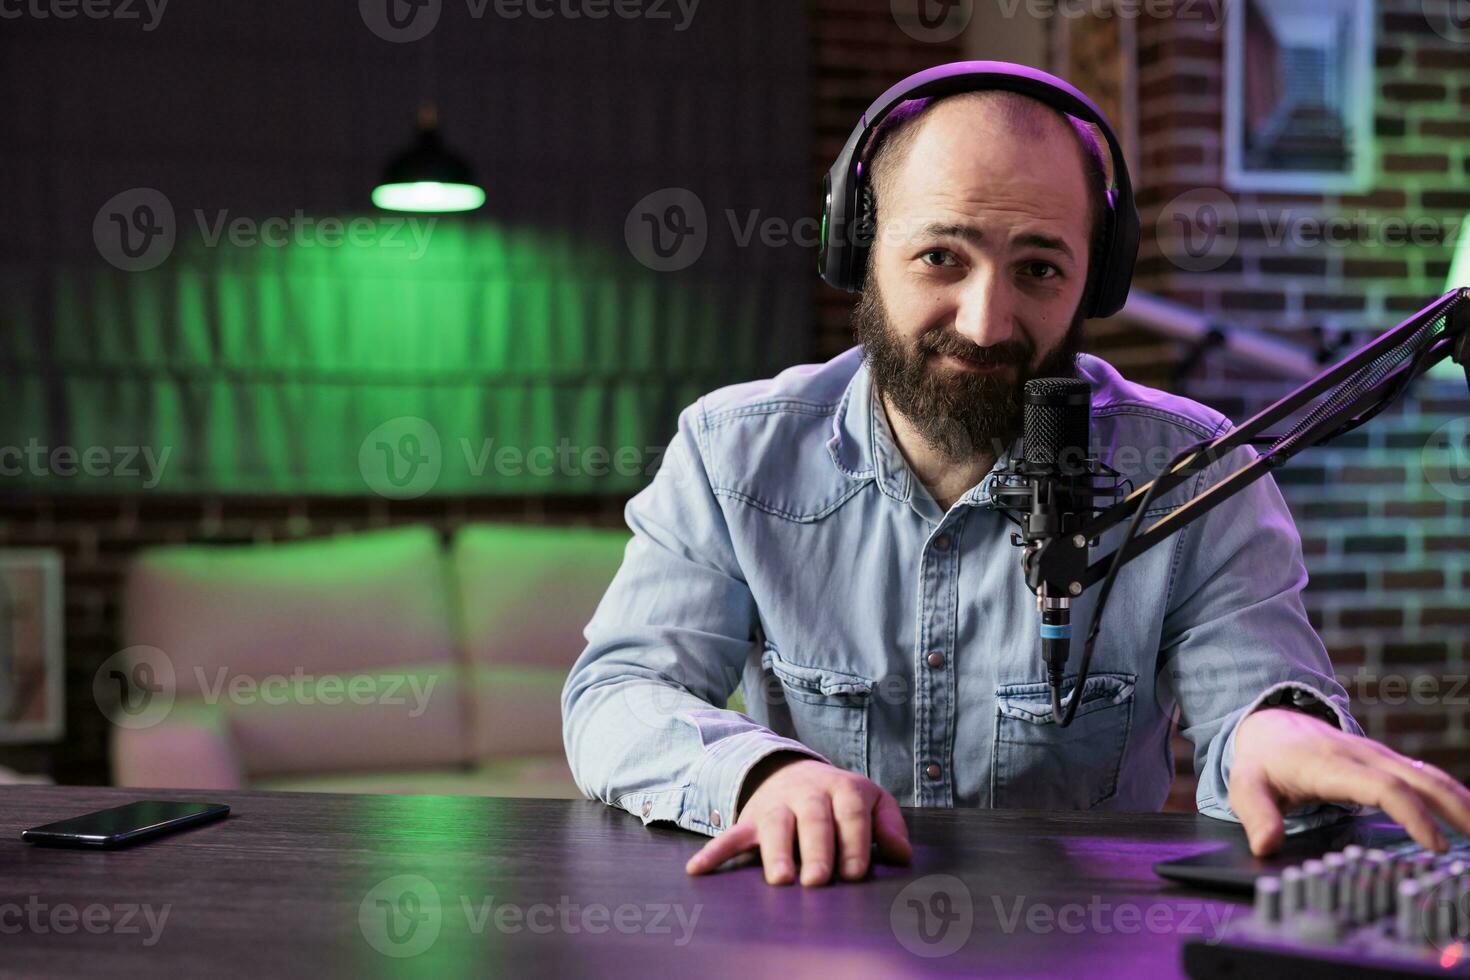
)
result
[(642, 715), (1236, 636)]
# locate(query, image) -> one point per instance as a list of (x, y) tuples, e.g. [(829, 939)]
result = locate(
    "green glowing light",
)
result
[(428, 195)]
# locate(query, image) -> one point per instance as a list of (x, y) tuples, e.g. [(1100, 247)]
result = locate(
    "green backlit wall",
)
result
[(516, 361), (520, 349)]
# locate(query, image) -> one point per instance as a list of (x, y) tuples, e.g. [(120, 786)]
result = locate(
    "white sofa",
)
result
[(370, 662)]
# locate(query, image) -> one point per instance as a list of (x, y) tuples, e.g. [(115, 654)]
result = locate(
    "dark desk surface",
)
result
[(290, 885)]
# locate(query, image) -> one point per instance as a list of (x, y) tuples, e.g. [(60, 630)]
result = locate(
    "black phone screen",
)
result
[(125, 824)]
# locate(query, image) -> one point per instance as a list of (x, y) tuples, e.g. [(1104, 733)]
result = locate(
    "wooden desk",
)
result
[(303, 885)]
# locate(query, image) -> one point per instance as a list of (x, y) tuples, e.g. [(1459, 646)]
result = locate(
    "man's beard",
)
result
[(962, 415)]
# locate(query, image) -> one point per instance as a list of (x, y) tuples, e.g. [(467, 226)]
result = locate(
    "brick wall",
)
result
[(1386, 538), (858, 51)]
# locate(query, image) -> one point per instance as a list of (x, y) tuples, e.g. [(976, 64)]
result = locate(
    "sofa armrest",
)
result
[(190, 749)]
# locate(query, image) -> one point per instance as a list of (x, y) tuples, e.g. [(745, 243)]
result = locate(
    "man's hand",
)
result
[(832, 813), (1288, 758)]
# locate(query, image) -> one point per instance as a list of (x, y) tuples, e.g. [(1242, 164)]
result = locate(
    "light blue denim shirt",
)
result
[(786, 548)]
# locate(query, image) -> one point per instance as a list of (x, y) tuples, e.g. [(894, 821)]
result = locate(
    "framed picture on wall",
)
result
[(1299, 95), (31, 667), (1097, 51)]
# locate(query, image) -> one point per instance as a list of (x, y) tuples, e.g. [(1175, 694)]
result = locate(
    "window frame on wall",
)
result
[(1358, 96)]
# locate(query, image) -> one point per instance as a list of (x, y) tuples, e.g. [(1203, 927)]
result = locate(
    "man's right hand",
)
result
[(833, 815)]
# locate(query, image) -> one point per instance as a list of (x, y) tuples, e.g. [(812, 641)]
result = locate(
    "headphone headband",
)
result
[(844, 252)]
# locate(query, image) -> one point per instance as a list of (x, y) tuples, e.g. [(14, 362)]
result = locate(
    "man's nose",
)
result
[(985, 315)]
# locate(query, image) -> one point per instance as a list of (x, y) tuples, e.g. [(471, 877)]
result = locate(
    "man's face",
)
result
[(977, 274)]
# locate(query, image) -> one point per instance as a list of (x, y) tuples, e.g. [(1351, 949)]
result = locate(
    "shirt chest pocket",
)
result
[(823, 708), (1040, 765)]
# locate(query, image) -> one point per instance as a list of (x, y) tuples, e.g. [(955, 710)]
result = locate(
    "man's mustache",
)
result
[(1011, 353)]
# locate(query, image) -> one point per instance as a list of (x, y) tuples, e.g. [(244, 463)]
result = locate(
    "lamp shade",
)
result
[(428, 176)]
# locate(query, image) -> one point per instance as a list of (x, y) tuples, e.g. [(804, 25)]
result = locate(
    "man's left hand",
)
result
[(1286, 759)]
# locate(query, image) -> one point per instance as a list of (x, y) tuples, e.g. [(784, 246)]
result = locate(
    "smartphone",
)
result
[(123, 825)]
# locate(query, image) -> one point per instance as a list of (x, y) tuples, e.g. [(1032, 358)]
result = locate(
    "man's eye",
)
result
[(938, 257), (1041, 270)]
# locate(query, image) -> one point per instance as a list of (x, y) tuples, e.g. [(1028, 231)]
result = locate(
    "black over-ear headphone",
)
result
[(847, 213)]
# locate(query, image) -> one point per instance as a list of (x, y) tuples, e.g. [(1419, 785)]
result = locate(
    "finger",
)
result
[(775, 831), (1442, 792), (1359, 783), (854, 818), (814, 834), (889, 830), (1255, 803), (722, 848)]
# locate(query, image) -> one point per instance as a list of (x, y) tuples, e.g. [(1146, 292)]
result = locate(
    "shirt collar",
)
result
[(863, 447)]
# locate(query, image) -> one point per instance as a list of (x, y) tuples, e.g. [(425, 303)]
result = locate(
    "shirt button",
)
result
[(941, 543), (714, 817), (935, 659), (647, 808), (933, 771)]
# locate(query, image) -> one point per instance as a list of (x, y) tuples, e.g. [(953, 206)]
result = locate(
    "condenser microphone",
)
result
[(1057, 434)]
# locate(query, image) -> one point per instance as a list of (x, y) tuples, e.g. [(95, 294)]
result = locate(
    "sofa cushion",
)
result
[(525, 593), (314, 647)]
